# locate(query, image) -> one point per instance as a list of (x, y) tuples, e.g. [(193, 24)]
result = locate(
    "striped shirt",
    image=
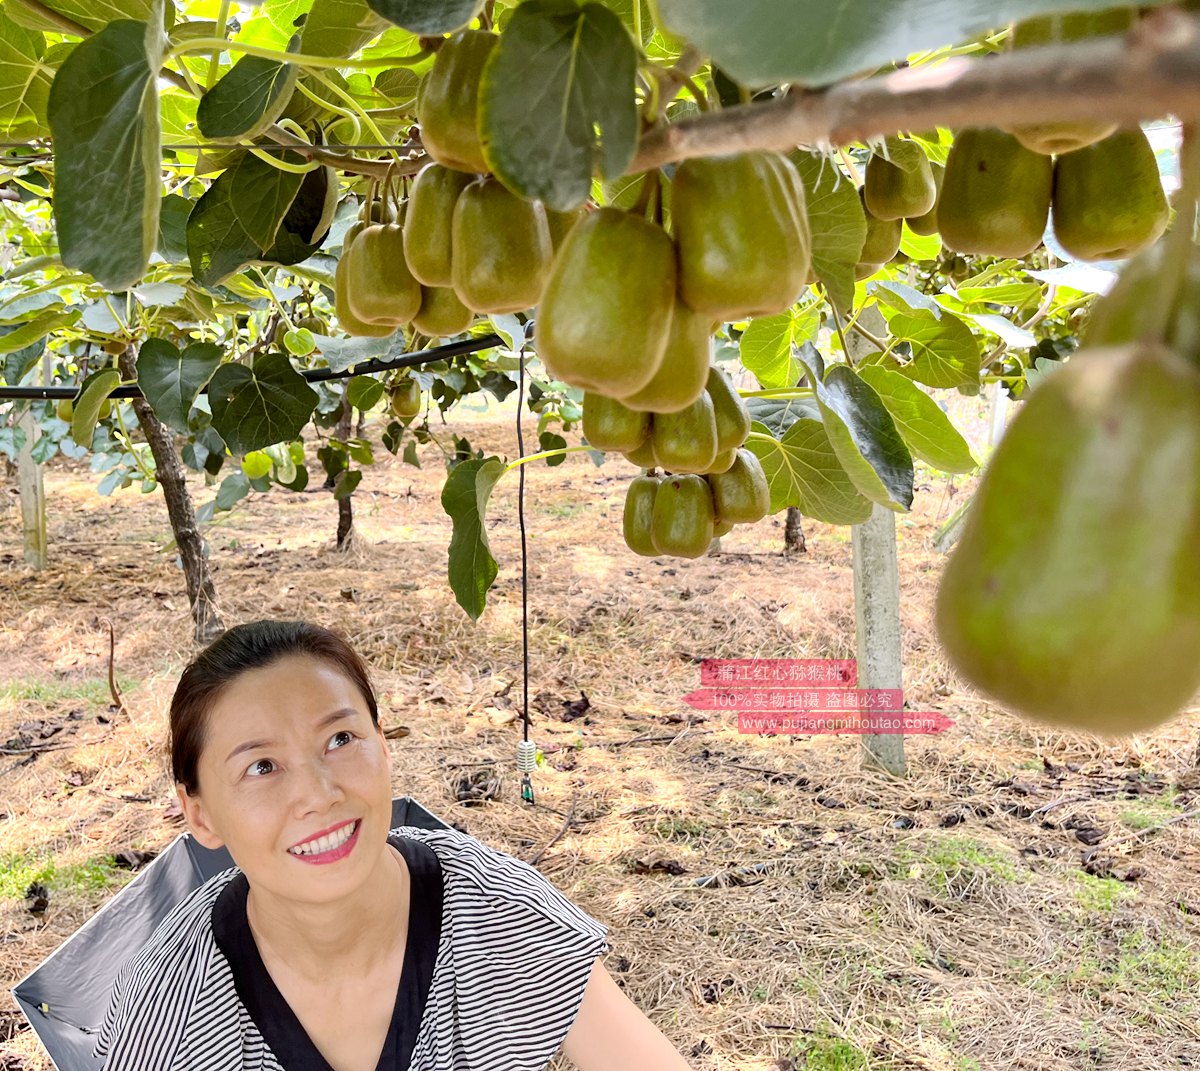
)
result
[(513, 959)]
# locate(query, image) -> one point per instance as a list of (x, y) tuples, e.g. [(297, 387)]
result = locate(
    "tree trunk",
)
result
[(793, 534), (201, 593), (33, 497), (345, 527), (999, 414), (877, 615)]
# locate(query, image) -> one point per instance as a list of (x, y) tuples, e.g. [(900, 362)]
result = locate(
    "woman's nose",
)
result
[(317, 787)]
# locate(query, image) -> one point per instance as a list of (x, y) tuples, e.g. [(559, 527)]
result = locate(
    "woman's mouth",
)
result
[(329, 848)]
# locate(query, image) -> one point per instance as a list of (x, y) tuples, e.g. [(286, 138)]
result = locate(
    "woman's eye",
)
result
[(346, 733), (254, 769)]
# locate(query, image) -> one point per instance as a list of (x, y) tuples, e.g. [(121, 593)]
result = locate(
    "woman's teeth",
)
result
[(326, 843)]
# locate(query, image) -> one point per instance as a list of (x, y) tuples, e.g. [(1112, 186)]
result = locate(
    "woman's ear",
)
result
[(197, 820)]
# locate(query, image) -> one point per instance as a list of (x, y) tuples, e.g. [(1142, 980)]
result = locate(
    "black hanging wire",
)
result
[(312, 375), (526, 749)]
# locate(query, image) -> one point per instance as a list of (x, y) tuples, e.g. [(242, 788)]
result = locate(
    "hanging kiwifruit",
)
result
[(744, 250), (448, 103), (605, 315), (500, 249)]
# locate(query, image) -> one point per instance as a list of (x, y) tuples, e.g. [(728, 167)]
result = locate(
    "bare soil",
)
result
[(1024, 898)]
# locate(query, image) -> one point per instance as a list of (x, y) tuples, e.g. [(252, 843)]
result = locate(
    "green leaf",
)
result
[(18, 362), (103, 113), (95, 389), (299, 342), (549, 440), (364, 392), (284, 459), (803, 470), (339, 27), (779, 414), (400, 86), (1003, 329), (16, 306), (254, 409), (248, 99), (1017, 294), (471, 565), (945, 353), (923, 425), (1035, 374), (557, 101), (428, 17), (256, 464), (410, 456), (171, 381), (94, 14), (159, 295), (238, 217), (177, 115), (24, 81), (343, 353), (624, 10), (766, 349), (815, 42), (275, 23), (233, 489), (1086, 278), (919, 246), (865, 440), (903, 298), (306, 222), (767, 345), (347, 481), (29, 332), (839, 227)]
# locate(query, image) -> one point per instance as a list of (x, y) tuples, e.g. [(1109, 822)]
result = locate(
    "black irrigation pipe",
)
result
[(315, 375)]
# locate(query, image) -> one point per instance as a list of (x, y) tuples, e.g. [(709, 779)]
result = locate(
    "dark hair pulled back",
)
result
[(242, 648)]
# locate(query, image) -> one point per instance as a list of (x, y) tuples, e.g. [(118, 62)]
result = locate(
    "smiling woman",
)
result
[(336, 943)]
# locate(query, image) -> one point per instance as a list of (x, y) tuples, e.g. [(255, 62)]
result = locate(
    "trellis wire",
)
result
[(313, 375)]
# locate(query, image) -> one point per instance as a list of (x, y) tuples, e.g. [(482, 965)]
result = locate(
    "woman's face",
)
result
[(290, 755)]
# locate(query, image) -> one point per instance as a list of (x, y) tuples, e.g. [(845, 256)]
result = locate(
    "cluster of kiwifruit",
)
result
[(1097, 184), (711, 481), (465, 244)]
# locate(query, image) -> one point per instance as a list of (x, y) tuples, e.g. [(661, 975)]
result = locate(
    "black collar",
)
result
[(272, 1014)]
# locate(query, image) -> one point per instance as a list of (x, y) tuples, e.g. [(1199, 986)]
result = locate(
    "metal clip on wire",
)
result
[(526, 764)]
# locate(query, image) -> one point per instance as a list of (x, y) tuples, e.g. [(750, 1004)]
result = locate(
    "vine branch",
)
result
[(63, 22), (1153, 71)]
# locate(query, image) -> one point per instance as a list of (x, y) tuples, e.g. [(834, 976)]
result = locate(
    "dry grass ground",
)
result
[(1022, 900)]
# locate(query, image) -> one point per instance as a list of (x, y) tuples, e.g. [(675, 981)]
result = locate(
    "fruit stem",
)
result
[(303, 59), (849, 162), (777, 392), (214, 64), (652, 99), (698, 94), (275, 300), (280, 164), (336, 109), (649, 188), (353, 105), (545, 453)]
